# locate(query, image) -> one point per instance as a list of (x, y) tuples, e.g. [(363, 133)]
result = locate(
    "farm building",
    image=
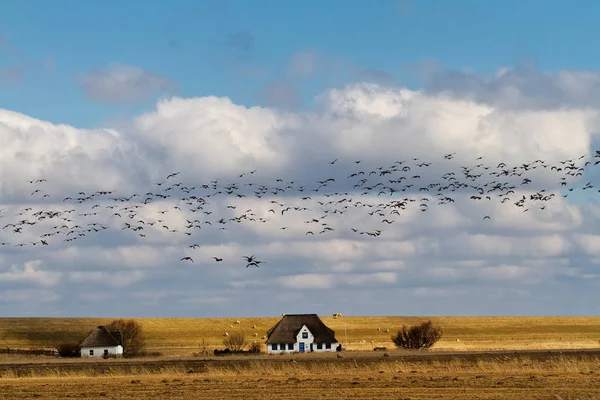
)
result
[(301, 333), (102, 343)]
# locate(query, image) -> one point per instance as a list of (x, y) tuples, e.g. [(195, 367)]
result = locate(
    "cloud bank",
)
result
[(257, 180)]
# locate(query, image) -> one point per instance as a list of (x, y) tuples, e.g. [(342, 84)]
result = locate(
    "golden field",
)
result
[(181, 335), (451, 370), (552, 377)]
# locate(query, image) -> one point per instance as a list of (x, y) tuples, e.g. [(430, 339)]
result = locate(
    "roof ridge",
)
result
[(101, 337)]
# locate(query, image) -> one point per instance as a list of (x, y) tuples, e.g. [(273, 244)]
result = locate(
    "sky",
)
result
[(249, 103)]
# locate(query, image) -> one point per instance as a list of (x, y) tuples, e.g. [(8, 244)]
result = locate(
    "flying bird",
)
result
[(395, 188)]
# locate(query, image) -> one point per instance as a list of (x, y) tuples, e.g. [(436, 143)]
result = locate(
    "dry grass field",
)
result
[(451, 370), (182, 335), (567, 376)]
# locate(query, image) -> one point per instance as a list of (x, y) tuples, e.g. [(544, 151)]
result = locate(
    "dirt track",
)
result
[(358, 358)]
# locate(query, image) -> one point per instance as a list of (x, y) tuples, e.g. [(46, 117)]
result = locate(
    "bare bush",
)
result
[(417, 337), (235, 342), (203, 348), (131, 336), (255, 347)]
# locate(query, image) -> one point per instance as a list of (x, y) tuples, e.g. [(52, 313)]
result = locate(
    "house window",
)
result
[(105, 352), (319, 346), (274, 347), (290, 346), (305, 335), (328, 346), (91, 352)]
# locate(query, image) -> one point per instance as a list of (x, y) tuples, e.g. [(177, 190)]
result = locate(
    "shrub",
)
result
[(69, 350), (235, 342), (417, 337), (221, 352), (255, 347)]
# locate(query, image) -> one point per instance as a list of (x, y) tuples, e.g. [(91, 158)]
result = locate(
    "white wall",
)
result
[(99, 351), (324, 349), (307, 342)]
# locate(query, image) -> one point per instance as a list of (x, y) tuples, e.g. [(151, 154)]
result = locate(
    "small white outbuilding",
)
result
[(102, 343)]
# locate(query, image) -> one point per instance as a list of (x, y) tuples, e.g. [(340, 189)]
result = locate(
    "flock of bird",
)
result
[(394, 187)]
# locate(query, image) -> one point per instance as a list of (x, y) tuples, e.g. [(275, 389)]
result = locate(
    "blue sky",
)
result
[(188, 42), (214, 89)]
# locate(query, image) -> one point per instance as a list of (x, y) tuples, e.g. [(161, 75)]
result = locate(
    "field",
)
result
[(181, 336), (494, 358), (542, 375)]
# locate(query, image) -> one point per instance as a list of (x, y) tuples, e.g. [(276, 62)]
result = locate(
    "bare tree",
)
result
[(131, 335), (417, 337), (235, 342)]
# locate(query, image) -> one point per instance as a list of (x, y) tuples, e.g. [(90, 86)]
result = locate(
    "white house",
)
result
[(102, 343), (301, 333)]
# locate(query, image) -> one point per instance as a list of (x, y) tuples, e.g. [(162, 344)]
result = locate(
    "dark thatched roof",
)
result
[(286, 330), (101, 337)]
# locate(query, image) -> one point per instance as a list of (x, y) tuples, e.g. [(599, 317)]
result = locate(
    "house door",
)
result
[(301, 347)]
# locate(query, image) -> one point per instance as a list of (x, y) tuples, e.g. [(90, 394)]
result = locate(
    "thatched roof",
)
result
[(286, 330), (101, 337)]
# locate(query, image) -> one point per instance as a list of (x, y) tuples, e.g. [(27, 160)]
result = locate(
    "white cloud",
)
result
[(445, 250), (29, 273)]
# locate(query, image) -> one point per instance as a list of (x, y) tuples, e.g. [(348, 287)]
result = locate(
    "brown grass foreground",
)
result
[(566, 376), (181, 335)]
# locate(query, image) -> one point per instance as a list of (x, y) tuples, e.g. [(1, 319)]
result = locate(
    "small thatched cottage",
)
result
[(301, 333), (102, 343)]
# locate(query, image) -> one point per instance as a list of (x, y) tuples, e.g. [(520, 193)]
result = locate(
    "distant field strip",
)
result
[(357, 333), (582, 361)]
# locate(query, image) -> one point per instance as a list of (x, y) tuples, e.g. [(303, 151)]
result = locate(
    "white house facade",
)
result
[(101, 351), (301, 333), (102, 343)]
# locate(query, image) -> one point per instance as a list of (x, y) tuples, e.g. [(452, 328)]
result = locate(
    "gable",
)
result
[(302, 329)]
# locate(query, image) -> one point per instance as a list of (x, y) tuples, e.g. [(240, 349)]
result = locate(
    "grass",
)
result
[(561, 377), (572, 364), (360, 374), (183, 335)]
